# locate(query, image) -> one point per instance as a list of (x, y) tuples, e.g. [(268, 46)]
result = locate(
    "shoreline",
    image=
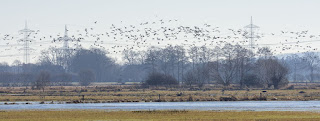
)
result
[(93, 102)]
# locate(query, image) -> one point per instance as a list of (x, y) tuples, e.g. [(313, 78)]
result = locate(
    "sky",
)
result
[(50, 16)]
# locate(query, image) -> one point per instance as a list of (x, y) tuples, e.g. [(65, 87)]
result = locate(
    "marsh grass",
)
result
[(131, 93)]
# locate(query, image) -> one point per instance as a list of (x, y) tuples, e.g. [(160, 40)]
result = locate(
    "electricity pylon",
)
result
[(66, 50), (26, 32), (251, 34)]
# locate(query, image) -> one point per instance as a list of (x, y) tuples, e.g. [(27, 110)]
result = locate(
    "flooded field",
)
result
[(205, 106)]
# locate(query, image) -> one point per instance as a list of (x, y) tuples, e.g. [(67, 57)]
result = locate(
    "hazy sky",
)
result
[(271, 15), (50, 16)]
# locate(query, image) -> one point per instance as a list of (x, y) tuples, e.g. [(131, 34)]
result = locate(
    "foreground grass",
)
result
[(78, 115)]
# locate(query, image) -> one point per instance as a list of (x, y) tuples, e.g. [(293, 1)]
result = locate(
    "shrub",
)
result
[(157, 79), (252, 80), (42, 81), (86, 77)]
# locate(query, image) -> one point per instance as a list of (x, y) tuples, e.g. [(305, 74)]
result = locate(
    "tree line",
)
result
[(225, 65)]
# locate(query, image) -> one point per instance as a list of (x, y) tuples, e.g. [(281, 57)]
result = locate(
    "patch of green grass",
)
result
[(79, 115)]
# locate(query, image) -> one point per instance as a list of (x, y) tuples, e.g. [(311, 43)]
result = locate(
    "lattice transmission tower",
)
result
[(251, 34), (65, 39), (66, 50), (26, 48)]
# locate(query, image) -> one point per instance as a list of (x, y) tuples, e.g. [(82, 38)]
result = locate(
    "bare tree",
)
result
[(262, 66), (142, 55), (182, 59), (265, 52), (130, 56), (194, 56), (167, 60), (152, 57), (295, 64), (17, 66), (224, 71), (205, 54), (278, 72), (275, 73), (95, 60), (86, 77), (190, 78), (244, 61), (57, 56), (311, 60), (43, 80)]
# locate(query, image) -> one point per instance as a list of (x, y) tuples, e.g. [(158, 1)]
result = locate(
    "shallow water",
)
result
[(231, 105)]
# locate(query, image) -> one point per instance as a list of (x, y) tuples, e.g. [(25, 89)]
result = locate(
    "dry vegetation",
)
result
[(78, 115), (132, 93)]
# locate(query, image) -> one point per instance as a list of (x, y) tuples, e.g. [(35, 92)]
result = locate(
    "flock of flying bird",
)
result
[(161, 33)]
